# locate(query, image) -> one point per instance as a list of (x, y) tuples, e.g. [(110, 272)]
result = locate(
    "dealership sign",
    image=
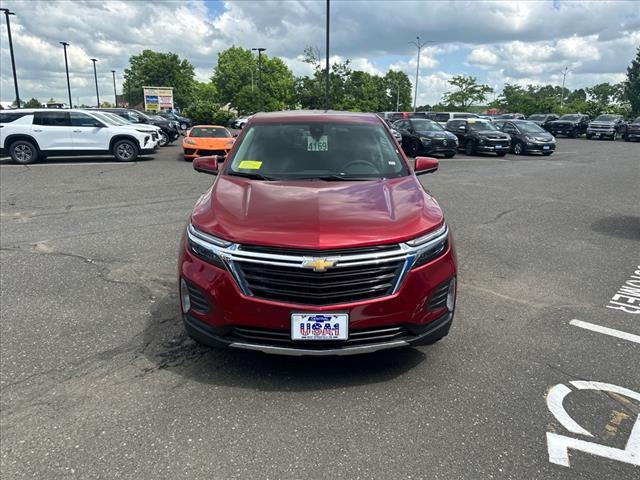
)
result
[(158, 98)]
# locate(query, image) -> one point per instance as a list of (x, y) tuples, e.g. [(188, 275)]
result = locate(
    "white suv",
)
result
[(31, 134)]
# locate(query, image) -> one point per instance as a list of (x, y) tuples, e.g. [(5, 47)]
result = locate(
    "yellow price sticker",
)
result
[(250, 164)]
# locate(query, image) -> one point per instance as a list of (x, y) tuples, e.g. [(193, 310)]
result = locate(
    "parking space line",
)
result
[(605, 330), (69, 164)]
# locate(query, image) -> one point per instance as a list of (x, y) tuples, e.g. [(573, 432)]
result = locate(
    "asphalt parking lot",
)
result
[(98, 379)]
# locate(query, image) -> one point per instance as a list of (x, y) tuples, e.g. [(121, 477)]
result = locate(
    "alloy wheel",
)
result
[(125, 151), (23, 153)]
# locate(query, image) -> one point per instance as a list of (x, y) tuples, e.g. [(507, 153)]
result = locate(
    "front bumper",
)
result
[(493, 148), (148, 151), (540, 147), (222, 315), (198, 152)]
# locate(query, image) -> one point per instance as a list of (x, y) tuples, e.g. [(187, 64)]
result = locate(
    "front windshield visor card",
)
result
[(315, 326)]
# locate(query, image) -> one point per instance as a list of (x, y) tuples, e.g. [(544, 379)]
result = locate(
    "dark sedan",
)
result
[(421, 136), (479, 136), (527, 137), (543, 119)]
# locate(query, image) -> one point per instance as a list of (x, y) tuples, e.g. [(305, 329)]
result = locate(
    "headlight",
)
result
[(205, 246), (481, 141), (429, 246), (425, 141), (188, 141), (529, 139)]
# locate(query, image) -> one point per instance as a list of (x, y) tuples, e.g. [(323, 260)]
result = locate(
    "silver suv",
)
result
[(28, 135)]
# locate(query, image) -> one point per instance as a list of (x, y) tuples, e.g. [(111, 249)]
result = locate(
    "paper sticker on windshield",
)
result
[(250, 164), (319, 145)]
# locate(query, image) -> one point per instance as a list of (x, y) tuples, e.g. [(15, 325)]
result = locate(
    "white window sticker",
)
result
[(319, 145)]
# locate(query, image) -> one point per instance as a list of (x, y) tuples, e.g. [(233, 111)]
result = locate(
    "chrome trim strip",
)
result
[(298, 352)]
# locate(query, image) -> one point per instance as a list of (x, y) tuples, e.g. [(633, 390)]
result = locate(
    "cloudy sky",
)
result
[(499, 42)]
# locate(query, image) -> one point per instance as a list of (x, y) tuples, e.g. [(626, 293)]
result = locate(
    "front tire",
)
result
[(125, 151), (518, 148), (163, 141), (183, 126), (23, 152), (573, 134), (469, 148), (588, 136), (412, 149)]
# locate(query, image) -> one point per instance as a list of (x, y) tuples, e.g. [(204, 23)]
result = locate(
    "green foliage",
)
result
[(158, 69), (33, 103), (237, 80), (631, 89), (106, 104), (468, 93)]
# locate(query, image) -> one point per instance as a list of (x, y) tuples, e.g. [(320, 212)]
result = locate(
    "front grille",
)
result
[(306, 287), (282, 338), (198, 300), (189, 151), (206, 153), (313, 253), (601, 128), (439, 297)]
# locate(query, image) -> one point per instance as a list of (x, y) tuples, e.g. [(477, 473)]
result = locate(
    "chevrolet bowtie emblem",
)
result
[(319, 264)]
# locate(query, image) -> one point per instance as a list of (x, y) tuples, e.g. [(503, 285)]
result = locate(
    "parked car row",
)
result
[(29, 135)]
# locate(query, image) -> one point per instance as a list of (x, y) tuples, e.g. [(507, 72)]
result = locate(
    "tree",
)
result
[(236, 78), (33, 103), (158, 69), (468, 93), (632, 84), (397, 86), (204, 105)]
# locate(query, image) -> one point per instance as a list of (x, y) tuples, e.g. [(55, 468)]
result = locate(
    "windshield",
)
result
[(318, 150), (117, 119), (481, 126), (210, 132), (536, 117), (570, 117), (110, 118), (427, 126), (606, 118), (530, 128), (142, 115), (637, 120)]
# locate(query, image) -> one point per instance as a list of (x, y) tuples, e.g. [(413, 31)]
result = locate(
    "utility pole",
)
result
[(95, 75), (260, 50), (398, 98), (419, 45), (115, 95), (66, 66), (327, 84), (564, 76), (13, 60)]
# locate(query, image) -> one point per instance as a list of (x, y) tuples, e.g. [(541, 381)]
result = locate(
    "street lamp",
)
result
[(66, 66), (115, 95), (564, 76), (419, 45), (326, 67), (398, 98), (95, 75), (260, 50), (13, 61)]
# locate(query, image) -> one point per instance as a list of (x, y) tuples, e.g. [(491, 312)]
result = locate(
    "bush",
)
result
[(207, 113)]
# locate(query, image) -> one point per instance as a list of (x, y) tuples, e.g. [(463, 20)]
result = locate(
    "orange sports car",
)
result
[(203, 140)]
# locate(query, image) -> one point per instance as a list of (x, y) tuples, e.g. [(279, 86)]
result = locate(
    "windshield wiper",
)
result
[(253, 176), (335, 177)]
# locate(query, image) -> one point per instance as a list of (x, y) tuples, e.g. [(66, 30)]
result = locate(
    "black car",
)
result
[(607, 126), (421, 136), (183, 122), (509, 116), (476, 136), (633, 131), (571, 125), (169, 132), (543, 119), (527, 137)]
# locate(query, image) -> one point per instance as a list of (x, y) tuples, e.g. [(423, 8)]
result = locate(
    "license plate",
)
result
[(596, 135), (498, 146), (315, 326), (545, 147)]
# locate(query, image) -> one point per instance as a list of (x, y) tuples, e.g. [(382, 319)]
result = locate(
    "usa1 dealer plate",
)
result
[(315, 326)]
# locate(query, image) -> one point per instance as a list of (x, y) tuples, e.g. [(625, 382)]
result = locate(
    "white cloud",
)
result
[(482, 57)]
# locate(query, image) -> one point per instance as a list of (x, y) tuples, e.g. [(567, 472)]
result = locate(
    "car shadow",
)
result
[(620, 226), (168, 347), (78, 160)]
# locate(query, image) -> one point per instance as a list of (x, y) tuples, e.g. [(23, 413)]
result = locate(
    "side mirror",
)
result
[(206, 165), (462, 128), (235, 135), (425, 165)]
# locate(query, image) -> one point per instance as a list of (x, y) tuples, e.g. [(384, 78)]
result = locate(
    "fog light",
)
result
[(186, 301), (451, 296)]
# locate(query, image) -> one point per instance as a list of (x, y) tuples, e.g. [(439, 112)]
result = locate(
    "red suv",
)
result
[(316, 238)]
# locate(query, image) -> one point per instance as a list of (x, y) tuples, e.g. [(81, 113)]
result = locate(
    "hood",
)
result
[(602, 123), (210, 143), (319, 215), (432, 134), (493, 134), (564, 122), (160, 123)]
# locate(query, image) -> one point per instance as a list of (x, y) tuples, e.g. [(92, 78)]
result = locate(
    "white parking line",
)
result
[(605, 330), (69, 164)]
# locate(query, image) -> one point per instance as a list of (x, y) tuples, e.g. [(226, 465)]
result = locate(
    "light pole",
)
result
[(115, 95), (398, 98), (564, 76), (66, 66), (326, 67), (95, 76), (13, 61), (419, 45), (260, 50)]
